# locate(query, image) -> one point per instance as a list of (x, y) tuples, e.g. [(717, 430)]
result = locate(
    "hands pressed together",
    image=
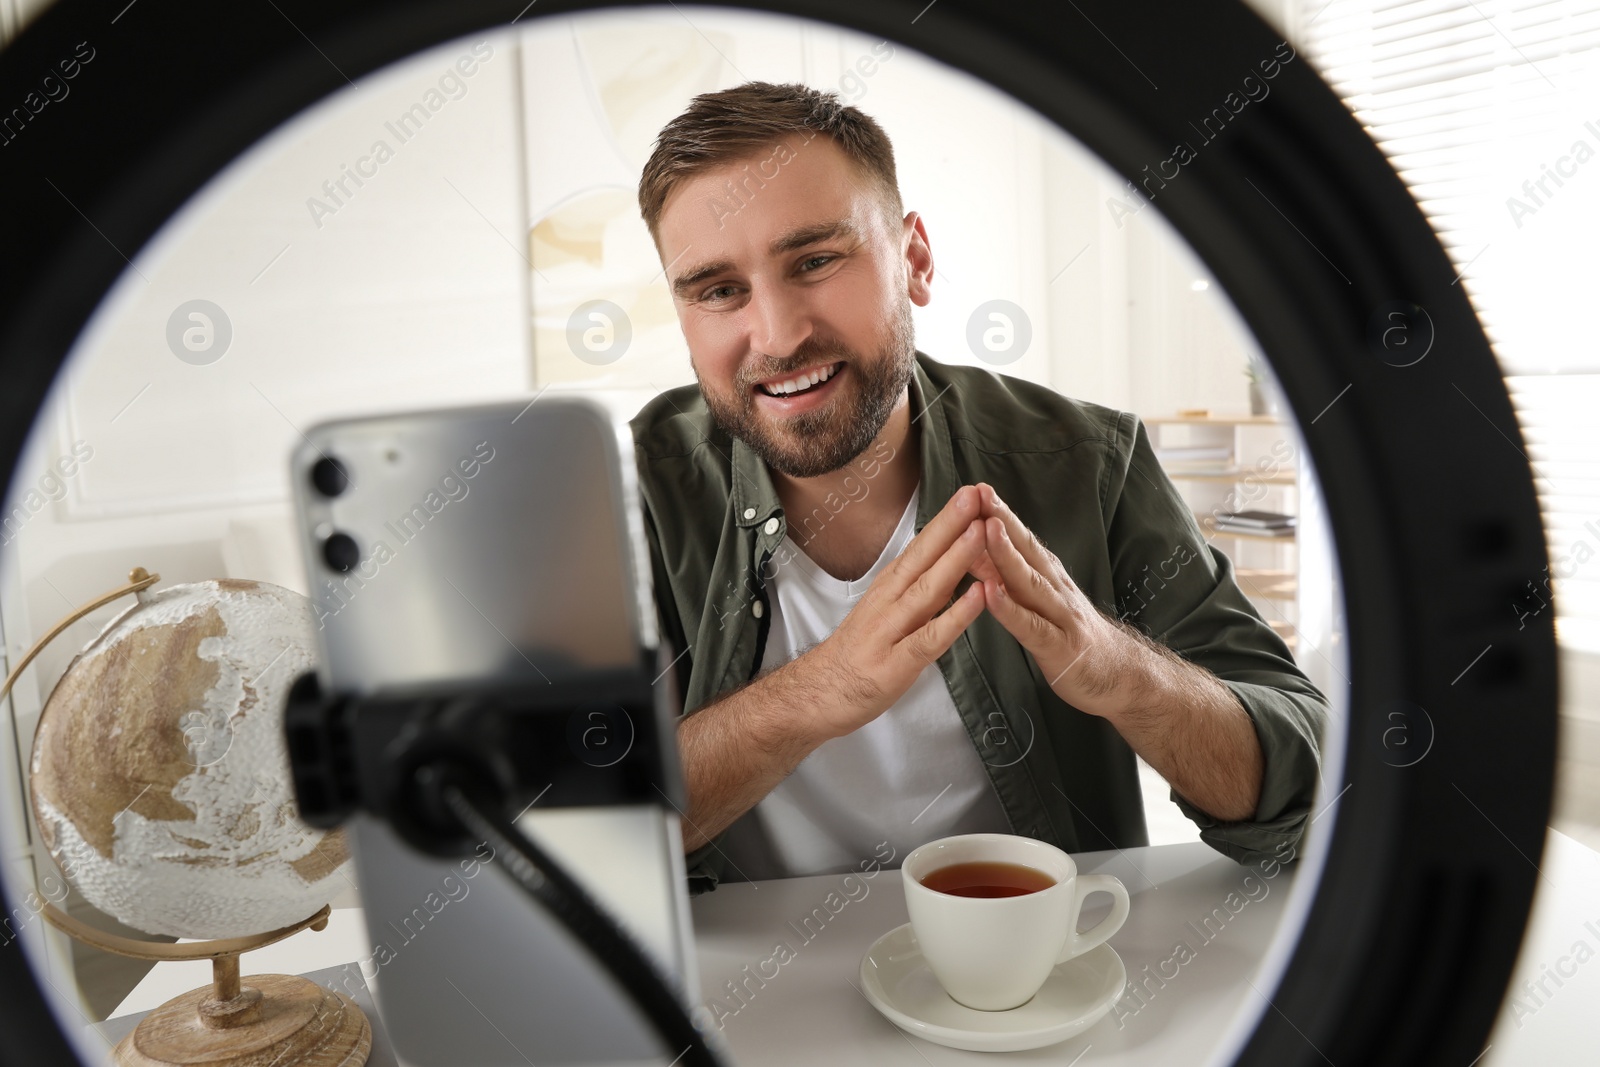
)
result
[(1179, 717), (902, 623)]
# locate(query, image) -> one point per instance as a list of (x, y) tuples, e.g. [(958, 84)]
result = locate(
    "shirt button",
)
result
[(771, 527), (749, 513), (757, 608)]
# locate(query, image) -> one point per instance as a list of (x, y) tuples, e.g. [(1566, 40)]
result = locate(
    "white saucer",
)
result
[(1077, 995)]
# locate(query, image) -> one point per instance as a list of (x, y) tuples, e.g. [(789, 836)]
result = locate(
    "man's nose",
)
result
[(779, 322)]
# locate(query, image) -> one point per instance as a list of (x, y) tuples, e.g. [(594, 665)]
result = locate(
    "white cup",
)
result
[(994, 953)]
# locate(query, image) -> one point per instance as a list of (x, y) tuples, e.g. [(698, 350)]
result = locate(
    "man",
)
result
[(893, 582)]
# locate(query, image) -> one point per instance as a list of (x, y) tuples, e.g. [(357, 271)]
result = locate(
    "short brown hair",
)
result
[(726, 125)]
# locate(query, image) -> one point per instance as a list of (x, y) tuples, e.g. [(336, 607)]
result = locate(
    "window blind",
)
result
[(1490, 112)]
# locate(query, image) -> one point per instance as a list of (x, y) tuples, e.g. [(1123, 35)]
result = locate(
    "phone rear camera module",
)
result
[(329, 477), (341, 552)]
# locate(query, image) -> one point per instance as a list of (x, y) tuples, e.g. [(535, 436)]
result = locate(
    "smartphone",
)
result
[(479, 546)]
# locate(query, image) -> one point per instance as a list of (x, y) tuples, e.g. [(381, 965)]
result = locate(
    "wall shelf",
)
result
[(1267, 582), (1236, 462), (1232, 474), (1210, 419)]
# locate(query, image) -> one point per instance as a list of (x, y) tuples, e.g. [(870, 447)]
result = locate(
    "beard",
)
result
[(825, 439)]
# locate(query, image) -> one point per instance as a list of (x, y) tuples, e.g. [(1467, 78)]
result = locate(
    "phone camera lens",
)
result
[(329, 476), (341, 552)]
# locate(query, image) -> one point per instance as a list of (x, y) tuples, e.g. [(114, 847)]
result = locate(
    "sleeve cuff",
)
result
[(1289, 728), (1250, 843), (704, 867)]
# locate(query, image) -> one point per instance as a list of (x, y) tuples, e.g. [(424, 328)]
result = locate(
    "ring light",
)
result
[(1416, 922)]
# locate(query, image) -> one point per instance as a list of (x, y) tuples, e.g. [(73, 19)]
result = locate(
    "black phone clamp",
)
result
[(591, 739)]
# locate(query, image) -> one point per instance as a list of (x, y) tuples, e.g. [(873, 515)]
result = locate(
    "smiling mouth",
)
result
[(800, 384)]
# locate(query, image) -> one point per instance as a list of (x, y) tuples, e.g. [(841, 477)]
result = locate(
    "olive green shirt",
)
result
[(1085, 480)]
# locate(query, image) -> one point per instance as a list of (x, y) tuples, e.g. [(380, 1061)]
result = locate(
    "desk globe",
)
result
[(161, 788)]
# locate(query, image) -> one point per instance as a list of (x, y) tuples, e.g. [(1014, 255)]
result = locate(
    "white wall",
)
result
[(1014, 209), (412, 293)]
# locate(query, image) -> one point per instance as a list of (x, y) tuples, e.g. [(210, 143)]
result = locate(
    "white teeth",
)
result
[(805, 381)]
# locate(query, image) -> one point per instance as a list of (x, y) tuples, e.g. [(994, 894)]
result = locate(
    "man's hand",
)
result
[(1083, 655), (1180, 717), (896, 629), (737, 748)]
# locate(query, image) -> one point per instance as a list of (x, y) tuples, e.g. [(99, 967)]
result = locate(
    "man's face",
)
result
[(790, 275)]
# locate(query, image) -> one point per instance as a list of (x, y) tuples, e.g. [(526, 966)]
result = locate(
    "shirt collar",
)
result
[(939, 481), (755, 500)]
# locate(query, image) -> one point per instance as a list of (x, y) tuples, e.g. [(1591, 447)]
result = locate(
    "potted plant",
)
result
[(1263, 394)]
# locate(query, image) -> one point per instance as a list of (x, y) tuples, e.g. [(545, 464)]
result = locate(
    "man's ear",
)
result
[(918, 254)]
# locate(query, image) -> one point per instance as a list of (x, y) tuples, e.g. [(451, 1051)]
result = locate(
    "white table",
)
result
[(1549, 1015), (815, 1003), (812, 1011)]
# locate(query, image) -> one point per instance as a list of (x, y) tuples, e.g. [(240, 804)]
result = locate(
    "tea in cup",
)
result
[(995, 913)]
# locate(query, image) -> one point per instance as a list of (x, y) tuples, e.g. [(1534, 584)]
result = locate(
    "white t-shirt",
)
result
[(909, 776)]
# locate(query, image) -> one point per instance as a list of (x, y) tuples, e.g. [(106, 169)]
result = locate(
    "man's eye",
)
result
[(823, 259), (711, 294)]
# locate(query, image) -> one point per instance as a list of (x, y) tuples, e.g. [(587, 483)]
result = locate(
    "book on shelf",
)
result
[(1254, 531), (1256, 520)]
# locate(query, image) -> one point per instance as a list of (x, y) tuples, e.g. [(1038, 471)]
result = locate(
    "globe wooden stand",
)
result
[(277, 1020)]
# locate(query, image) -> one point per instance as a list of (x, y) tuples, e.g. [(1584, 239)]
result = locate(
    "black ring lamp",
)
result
[(1418, 917)]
